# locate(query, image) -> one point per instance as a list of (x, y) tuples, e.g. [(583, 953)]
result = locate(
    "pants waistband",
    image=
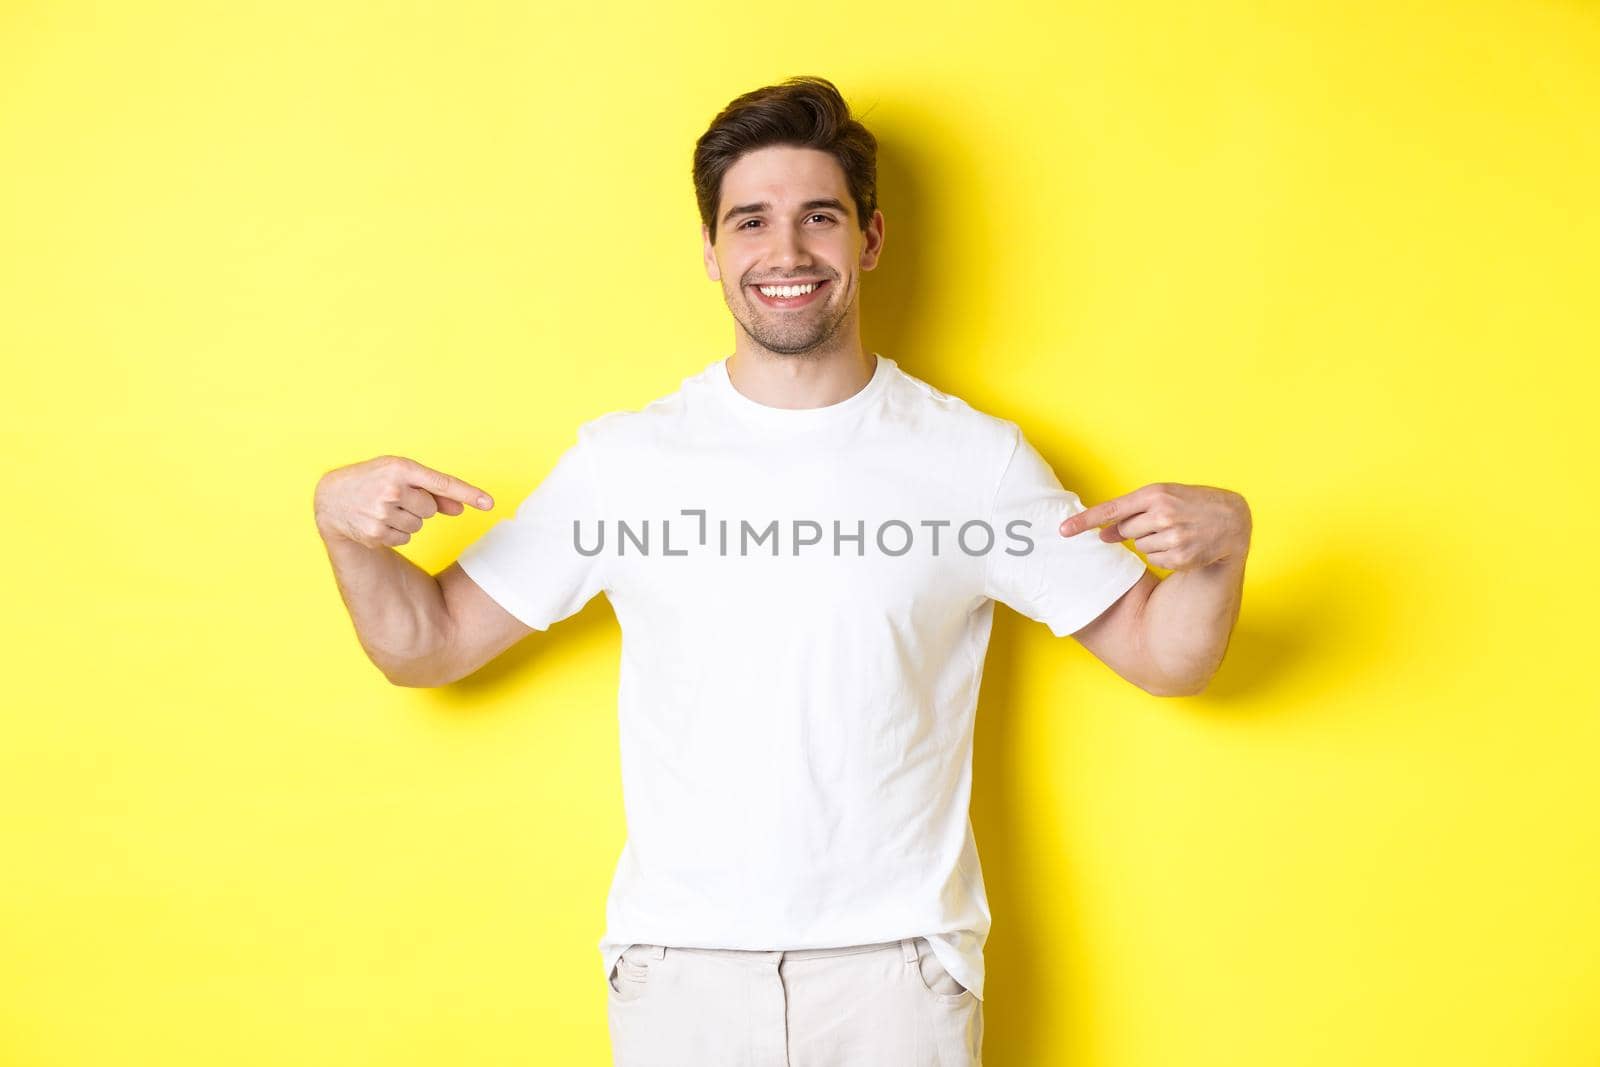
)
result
[(906, 946)]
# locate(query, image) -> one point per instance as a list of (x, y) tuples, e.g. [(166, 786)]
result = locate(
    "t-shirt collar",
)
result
[(722, 384)]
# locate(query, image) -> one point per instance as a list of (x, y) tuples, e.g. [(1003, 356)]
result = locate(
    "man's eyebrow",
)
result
[(809, 205)]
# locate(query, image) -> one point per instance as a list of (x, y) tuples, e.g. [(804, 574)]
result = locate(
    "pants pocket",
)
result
[(935, 979), (630, 976)]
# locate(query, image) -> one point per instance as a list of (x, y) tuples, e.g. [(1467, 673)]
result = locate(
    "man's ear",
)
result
[(712, 270), (873, 238)]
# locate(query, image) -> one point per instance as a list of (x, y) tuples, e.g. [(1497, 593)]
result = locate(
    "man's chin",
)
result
[(780, 347), (785, 344)]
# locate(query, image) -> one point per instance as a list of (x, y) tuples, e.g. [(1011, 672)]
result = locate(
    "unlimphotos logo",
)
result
[(890, 537)]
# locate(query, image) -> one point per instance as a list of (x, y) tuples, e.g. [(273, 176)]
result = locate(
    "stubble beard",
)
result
[(799, 338)]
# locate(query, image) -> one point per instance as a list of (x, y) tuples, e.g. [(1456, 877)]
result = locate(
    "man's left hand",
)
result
[(1177, 527)]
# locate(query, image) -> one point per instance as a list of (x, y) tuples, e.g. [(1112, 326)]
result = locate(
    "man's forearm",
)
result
[(397, 607), (1187, 622)]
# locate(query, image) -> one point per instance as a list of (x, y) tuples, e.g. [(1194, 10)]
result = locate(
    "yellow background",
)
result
[(1342, 261)]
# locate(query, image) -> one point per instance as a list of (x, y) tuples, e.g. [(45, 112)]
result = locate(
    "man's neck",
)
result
[(812, 380)]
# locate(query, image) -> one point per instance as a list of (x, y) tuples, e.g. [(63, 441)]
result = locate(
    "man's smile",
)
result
[(789, 295)]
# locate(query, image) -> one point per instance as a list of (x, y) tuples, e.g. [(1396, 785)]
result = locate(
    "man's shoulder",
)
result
[(950, 414), (622, 427)]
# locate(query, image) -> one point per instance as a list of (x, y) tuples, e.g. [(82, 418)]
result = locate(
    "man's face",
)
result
[(785, 217)]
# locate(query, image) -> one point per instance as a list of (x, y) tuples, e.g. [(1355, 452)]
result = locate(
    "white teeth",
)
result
[(786, 291)]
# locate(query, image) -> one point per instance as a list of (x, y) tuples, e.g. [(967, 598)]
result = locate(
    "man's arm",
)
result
[(1188, 620), (397, 607), (1169, 636), (1117, 639), (417, 629), (420, 630), (479, 630)]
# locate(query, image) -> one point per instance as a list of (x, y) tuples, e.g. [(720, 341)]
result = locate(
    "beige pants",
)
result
[(884, 1005)]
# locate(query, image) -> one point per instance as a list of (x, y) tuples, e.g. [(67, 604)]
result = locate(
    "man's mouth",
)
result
[(789, 295)]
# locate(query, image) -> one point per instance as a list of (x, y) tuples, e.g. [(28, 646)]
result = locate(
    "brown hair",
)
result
[(804, 111)]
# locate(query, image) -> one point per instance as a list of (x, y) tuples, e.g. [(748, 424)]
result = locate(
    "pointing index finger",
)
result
[(441, 484), (1106, 511)]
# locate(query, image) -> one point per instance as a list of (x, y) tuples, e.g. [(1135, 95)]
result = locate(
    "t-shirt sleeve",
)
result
[(1063, 582), (529, 563)]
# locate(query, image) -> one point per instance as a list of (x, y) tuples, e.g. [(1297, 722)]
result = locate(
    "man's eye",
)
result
[(819, 215)]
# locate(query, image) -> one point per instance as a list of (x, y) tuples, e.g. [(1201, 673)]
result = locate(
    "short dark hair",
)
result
[(804, 111)]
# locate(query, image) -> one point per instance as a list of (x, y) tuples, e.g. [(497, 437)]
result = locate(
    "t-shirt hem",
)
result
[(1131, 570), (500, 590)]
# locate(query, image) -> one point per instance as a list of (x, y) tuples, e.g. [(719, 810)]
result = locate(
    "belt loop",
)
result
[(657, 951), (908, 948)]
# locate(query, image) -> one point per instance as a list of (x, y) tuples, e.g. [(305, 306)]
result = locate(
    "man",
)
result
[(803, 545)]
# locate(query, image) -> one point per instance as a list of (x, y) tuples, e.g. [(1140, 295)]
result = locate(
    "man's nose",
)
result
[(789, 249)]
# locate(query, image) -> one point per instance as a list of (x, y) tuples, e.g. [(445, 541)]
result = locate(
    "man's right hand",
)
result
[(384, 501)]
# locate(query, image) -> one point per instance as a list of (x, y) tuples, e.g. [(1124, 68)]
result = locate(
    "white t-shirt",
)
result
[(805, 598)]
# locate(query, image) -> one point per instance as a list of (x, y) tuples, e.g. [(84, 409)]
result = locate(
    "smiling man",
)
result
[(803, 545), (814, 310)]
